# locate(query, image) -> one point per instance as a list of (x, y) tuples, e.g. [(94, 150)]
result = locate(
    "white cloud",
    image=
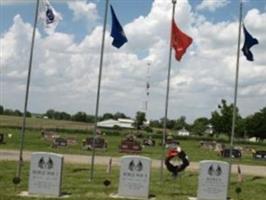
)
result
[(83, 9), (212, 5), (65, 72)]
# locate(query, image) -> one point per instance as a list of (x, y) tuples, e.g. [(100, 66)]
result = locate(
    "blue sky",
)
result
[(66, 62), (126, 9)]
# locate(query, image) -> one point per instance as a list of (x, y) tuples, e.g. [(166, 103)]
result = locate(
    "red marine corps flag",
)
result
[(179, 41)]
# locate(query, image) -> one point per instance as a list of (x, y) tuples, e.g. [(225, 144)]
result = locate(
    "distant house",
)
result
[(209, 129), (111, 123), (253, 139), (183, 132)]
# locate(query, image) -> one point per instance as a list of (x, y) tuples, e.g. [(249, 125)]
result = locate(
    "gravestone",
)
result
[(46, 174), (134, 180), (149, 142), (59, 142), (260, 155), (99, 143), (1, 138), (130, 145), (213, 180), (236, 153)]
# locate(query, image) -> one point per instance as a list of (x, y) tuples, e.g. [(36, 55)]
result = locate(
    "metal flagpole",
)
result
[(22, 134), (236, 82), (98, 90), (167, 95), (235, 92), (147, 91)]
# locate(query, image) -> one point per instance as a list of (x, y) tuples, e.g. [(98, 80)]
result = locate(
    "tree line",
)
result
[(53, 114), (220, 121)]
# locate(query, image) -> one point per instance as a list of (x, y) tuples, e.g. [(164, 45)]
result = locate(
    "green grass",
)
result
[(75, 182), (34, 142), (79, 130)]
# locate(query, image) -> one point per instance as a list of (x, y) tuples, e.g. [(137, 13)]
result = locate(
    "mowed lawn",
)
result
[(76, 184), (80, 130), (35, 142)]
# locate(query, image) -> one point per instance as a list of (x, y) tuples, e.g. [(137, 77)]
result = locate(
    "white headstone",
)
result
[(213, 180), (134, 181), (46, 174)]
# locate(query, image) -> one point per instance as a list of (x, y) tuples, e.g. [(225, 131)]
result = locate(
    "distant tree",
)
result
[(91, 118), (1, 109), (222, 119), (256, 124), (119, 115), (107, 116), (50, 114), (200, 125), (170, 124), (65, 116), (18, 113), (181, 123), (139, 120), (80, 116), (155, 124), (28, 114), (8, 112)]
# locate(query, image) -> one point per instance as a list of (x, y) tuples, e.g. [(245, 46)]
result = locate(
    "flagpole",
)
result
[(236, 82), (235, 92), (22, 134), (98, 90), (167, 94)]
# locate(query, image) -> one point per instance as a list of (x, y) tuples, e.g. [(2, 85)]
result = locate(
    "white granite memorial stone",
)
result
[(213, 180), (134, 181), (45, 174)]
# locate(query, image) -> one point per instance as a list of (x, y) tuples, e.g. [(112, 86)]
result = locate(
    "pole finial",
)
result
[(174, 1)]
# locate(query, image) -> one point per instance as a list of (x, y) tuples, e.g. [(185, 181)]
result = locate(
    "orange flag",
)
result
[(179, 41)]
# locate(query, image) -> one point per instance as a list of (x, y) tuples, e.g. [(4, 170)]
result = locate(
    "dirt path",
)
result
[(12, 155)]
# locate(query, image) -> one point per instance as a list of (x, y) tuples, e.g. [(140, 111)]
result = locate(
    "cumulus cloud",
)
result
[(83, 9), (212, 5), (65, 72)]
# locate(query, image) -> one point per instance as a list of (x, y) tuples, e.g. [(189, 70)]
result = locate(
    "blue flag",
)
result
[(249, 42), (117, 31)]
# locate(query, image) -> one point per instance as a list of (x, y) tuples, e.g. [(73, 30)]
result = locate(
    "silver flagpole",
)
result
[(236, 82), (98, 91), (167, 96), (22, 134), (235, 93)]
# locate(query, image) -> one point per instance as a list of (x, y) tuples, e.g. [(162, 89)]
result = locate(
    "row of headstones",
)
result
[(134, 180)]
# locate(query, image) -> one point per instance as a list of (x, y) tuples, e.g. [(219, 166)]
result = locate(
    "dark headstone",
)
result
[(99, 143), (1, 138), (235, 153), (130, 145), (59, 142), (260, 155)]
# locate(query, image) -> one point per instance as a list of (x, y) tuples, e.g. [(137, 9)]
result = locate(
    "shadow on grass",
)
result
[(80, 169)]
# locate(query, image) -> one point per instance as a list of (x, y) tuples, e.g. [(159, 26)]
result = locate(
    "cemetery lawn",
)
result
[(76, 184), (35, 142)]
